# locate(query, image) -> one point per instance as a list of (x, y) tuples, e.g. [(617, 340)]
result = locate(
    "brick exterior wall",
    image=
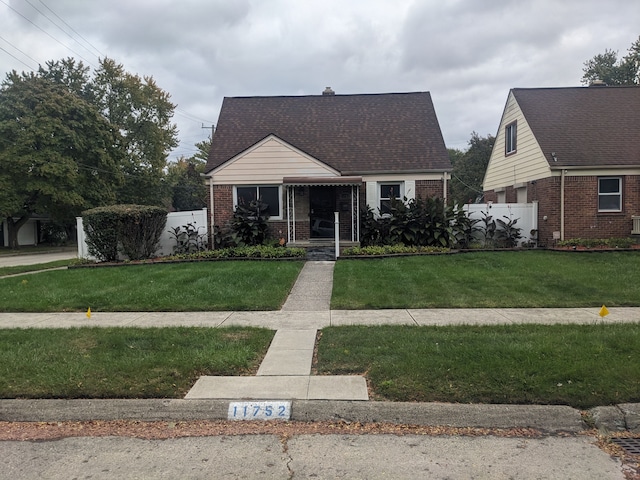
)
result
[(222, 204), (430, 188), (581, 219)]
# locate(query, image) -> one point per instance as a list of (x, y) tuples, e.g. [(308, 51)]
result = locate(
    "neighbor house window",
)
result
[(610, 194), (388, 192), (269, 195), (510, 136)]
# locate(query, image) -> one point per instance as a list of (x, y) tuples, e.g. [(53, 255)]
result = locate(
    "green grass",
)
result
[(123, 362), (489, 279), (581, 366), (35, 268), (201, 286)]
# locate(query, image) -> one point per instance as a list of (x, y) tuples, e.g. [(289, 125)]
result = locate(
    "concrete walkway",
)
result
[(285, 372)]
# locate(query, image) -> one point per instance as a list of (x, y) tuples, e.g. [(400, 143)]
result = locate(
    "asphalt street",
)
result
[(311, 456)]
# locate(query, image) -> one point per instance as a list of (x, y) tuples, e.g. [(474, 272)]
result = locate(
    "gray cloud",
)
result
[(467, 53)]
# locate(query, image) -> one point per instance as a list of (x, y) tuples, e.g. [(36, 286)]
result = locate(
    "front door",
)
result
[(322, 204)]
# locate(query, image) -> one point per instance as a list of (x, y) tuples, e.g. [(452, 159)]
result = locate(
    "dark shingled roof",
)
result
[(354, 134), (584, 126)]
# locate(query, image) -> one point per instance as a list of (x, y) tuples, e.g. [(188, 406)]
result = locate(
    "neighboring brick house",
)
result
[(575, 151), (308, 156)]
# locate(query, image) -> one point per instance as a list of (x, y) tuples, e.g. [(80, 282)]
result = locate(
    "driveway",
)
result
[(35, 258)]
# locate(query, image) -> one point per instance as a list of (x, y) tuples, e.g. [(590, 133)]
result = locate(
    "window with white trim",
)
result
[(610, 194), (268, 194), (388, 192), (510, 137)]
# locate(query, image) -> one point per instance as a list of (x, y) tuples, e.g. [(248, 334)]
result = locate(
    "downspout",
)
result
[(562, 173), (444, 186)]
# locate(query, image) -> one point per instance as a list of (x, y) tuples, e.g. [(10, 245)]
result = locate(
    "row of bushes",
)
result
[(134, 231), (597, 242), (413, 226), (431, 222), (373, 250), (253, 251)]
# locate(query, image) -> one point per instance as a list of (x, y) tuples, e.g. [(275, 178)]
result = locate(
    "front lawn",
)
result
[(123, 362), (198, 286), (577, 365), (525, 279)]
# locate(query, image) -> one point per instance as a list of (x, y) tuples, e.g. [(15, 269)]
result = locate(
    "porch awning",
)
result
[(321, 181)]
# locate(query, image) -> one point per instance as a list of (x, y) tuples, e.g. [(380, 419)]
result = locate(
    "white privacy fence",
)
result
[(526, 215), (167, 241)]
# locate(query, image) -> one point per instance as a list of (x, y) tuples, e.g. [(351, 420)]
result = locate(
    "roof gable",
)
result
[(352, 134), (584, 126), (269, 161)]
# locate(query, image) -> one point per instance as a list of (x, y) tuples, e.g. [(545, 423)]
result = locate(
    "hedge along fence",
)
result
[(167, 240), (131, 230)]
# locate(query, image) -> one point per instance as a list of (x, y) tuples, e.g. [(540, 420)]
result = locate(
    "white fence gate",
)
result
[(525, 213), (167, 242)]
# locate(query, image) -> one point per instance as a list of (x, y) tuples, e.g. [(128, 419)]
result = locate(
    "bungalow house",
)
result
[(575, 151), (310, 156)]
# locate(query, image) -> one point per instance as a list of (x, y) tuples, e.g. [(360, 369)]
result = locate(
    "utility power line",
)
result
[(99, 53), (46, 33)]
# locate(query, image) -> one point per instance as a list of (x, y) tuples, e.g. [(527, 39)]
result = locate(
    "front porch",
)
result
[(310, 209)]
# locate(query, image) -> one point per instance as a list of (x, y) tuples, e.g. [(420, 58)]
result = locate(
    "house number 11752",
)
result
[(269, 410)]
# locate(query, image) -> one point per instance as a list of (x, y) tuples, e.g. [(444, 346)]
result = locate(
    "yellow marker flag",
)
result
[(603, 311), (89, 312)]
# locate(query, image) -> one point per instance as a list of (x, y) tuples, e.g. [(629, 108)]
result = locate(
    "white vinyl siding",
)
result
[(526, 164), (269, 162)]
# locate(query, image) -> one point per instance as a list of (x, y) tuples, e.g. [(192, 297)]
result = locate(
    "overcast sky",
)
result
[(467, 53)]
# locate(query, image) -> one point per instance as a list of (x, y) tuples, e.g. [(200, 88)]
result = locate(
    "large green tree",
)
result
[(58, 154), (142, 111), (612, 70), (72, 139), (183, 176), (469, 167)]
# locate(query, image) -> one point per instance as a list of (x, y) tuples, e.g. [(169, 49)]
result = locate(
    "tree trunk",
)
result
[(13, 227)]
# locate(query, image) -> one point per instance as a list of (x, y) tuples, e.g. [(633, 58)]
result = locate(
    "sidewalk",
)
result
[(281, 319)]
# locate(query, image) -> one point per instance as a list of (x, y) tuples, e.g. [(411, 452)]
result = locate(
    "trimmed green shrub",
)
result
[(101, 230), (140, 230), (255, 251), (374, 250), (596, 242), (133, 230)]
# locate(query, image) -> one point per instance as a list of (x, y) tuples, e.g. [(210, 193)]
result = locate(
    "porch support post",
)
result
[(355, 213), (336, 229), (291, 214)]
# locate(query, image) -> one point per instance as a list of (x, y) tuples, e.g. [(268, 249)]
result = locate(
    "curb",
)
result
[(549, 419)]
